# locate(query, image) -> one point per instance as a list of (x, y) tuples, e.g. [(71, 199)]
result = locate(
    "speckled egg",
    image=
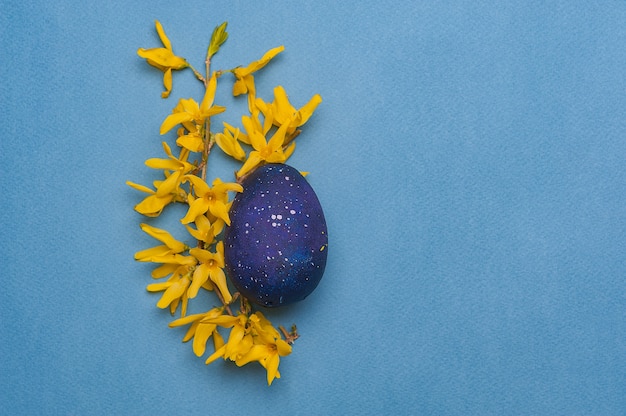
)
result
[(275, 248)]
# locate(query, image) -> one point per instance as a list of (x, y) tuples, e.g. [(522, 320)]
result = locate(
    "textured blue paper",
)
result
[(470, 159)]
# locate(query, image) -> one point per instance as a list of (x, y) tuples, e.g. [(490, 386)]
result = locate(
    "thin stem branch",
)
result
[(290, 337), (198, 74)]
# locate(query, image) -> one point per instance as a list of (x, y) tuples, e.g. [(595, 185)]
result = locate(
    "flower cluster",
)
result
[(252, 338), (185, 269)]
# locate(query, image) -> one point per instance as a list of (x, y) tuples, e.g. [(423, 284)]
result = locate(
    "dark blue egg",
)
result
[(276, 246)]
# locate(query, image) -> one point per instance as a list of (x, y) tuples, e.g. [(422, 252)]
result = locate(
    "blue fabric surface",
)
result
[(470, 159)]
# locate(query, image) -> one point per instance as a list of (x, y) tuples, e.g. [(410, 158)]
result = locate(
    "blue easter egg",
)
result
[(276, 246)]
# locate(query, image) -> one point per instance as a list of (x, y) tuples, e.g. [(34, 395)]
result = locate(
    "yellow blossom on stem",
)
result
[(163, 59), (167, 190), (205, 230), (213, 199), (252, 338), (244, 80), (267, 151), (153, 204), (228, 141), (280, 111), (179, 269), (211, 267), (174, 291), (190, 139), (170, 244), (201, 329), (268, 355), (188, 109), (239, 340)]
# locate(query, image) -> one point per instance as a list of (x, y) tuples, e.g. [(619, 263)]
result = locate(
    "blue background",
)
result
[(469, 156)]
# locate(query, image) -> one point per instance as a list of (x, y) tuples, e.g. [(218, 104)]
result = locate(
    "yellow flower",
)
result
[(229, 142), (174, 290), (268, 355), (170, 245), (164, 59), (280, 111), (168, 190), (244, 82), (267, 151), (190, 140), (212, 199), (268, 348), (210, 267), (239, 340), (188, 109), (205, 230), (201, 329), (251, 338), (152, 205), (179, 268)]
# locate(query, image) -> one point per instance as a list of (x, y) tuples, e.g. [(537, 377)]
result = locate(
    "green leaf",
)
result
[(218, 37)]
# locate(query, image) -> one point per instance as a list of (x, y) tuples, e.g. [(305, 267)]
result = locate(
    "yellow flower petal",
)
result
[(200, 275), (164, 270), (158, 287), (230, 145), (164, 39), (256, 353), (200, 186), (169, 185), (257, 140), (239, 87), (203, 332), (174, 119), (164, 237), (165, 164), (254, 158), (277, 140), (220, 210), (307, 110), (217, 354), (186, 320), (283, 347), (218, 340), (147, 254), (162, 58), (196, 208), (175, 291), (271, 365), (225, 320), (283, 110), (192, 142), (209, 94), (218, 277), (138, 187), (267, 57), (167, 83), (233, 345), (153, 205)]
